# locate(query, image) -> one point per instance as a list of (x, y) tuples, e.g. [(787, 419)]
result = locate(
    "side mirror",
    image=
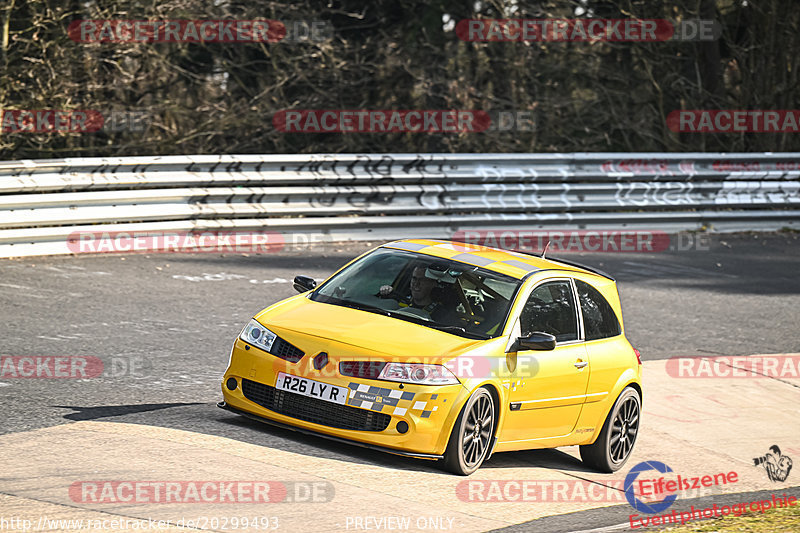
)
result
[(304, 283), (537, 341)]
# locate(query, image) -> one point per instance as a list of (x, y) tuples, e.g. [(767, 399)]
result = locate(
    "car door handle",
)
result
[(580, 364)]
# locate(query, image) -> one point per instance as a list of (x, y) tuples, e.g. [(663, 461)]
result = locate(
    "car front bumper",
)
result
[(225, 406), (374, 412)]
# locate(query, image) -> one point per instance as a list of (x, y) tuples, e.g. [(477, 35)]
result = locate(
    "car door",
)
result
[(605, 345), (548, 387)]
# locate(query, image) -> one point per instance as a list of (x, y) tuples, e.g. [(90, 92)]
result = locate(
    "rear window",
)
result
[(599, 319)]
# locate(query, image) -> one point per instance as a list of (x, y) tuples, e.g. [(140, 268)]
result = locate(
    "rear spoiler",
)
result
[(579, 265), (570, 263)]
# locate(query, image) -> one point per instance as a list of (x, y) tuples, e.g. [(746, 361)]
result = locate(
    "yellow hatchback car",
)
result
[(448, 351)]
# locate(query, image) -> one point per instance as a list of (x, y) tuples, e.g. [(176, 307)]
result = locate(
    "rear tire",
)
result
[(472, 435), (615, 443)]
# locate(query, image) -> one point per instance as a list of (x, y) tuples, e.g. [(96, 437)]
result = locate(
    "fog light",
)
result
[(231, 383), (402, 426)]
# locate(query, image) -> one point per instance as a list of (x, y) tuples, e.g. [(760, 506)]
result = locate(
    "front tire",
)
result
[(472, 435), (615, 443)]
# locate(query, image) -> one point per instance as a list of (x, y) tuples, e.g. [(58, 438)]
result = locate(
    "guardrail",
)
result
[(382, 196)]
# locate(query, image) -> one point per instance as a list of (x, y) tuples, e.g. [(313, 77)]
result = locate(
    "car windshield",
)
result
[(454, 297)]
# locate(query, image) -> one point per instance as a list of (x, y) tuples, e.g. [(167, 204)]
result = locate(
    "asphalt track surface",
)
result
[(163, 325)]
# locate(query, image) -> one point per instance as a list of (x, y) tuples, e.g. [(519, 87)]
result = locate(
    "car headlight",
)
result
[(418, 373), (257, 335)]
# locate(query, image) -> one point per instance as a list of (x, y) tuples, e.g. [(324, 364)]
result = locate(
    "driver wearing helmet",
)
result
[(423, 295), (421, 291)]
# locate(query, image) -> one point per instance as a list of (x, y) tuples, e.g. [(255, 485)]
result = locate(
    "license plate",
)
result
[(311, 388)]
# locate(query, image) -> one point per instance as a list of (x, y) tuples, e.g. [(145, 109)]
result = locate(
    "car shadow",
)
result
[(207, 418), (263, 434), (550, 458), (108, 411)]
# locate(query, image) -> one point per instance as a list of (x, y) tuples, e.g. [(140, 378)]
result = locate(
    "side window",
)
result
[(599, 320), (551, 309)]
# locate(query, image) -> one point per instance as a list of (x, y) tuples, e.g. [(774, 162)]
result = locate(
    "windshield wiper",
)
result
[(456, 329), (362, 307)]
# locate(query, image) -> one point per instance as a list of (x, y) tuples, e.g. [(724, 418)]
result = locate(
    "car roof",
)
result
[(515, 264)]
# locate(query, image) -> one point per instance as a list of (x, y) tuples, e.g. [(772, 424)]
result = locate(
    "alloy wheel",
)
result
[(624, 430), (477, 431)]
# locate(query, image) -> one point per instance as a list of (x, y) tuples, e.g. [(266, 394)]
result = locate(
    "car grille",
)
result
[(361, 369), (314, 410), (284, 350)]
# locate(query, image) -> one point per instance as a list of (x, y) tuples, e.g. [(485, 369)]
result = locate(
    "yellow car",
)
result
[(448, 351)]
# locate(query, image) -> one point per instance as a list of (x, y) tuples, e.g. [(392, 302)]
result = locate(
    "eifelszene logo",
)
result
[(630, 488), (656, 495)]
